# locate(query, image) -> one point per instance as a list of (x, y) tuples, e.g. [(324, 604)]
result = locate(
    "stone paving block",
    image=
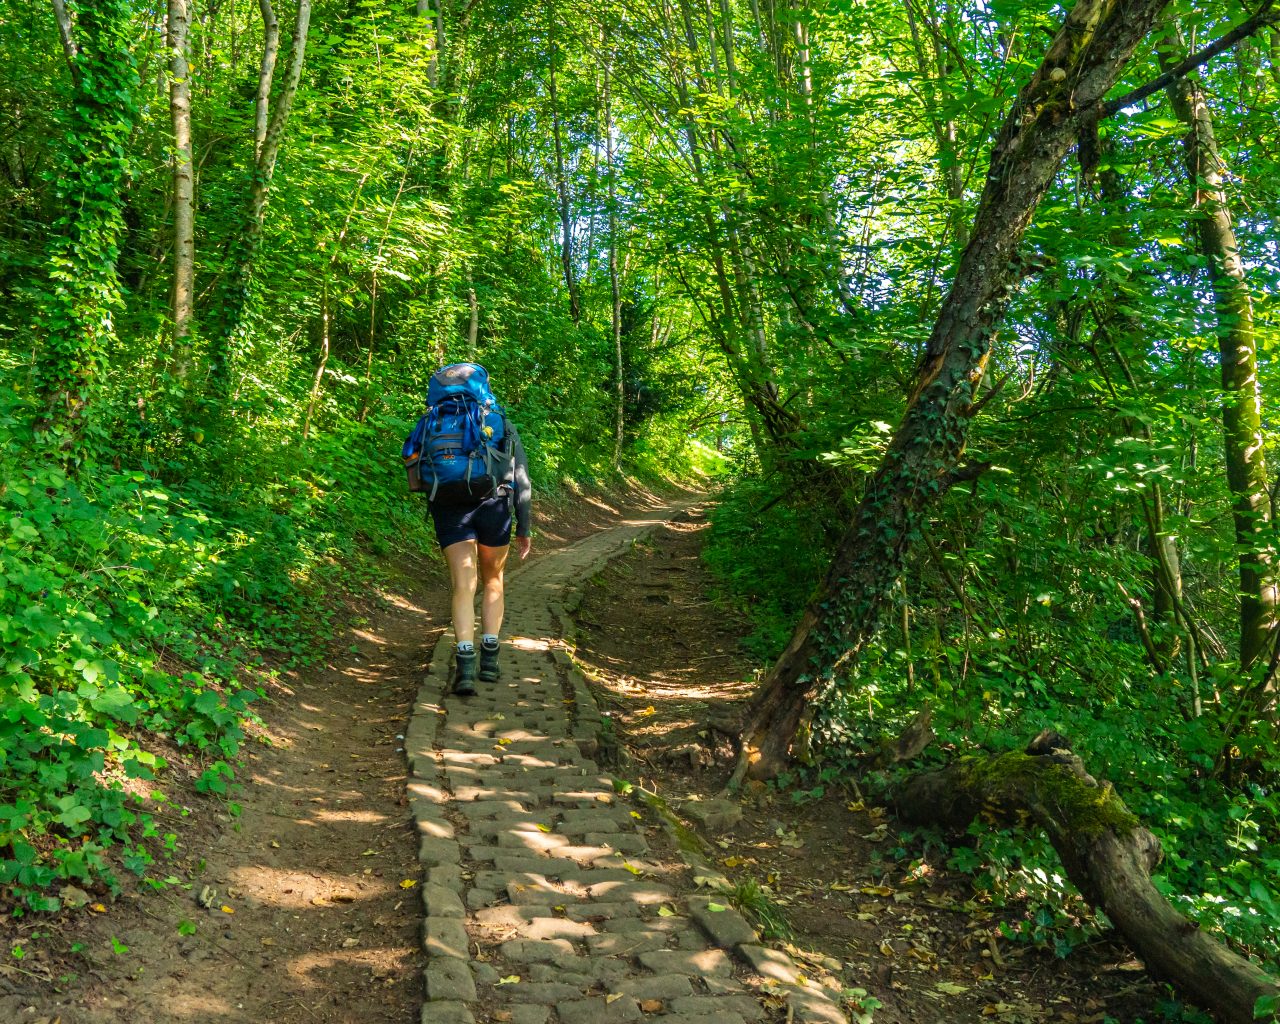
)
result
[(501, 879), (524, 821), (810, 1006), (636, 923), (532, 839), (594, 876), (448, 875), (552, 867), (446, 936), (439, 901), (538, 951), (626, 943), (537, 992), (482, 852), (507, 916), (477, 899), (621, 842), (422, 765), (714, 1017), (433, 851), (721, 986), (613, 815), (580, 799), (598, 1010), (695, 964), (484, 972), (726, 927), (491, 809), (770, 963), (428, 794), (638, 892), (602, 912), (744, 1006), (432, 827), (522, 893), (466, 758), (692, 939), (449, 979), (585, 854), (556, 927), (451, 1012), (488, 793), (528, 1013), (660, 986), (588, 973)]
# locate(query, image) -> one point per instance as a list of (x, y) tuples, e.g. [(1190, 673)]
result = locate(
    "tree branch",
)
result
[(1265, 15)]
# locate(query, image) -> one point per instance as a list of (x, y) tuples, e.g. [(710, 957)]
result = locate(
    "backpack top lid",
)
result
[(466, 380)]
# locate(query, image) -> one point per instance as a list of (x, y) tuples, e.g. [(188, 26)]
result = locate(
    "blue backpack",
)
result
[(460, 449)]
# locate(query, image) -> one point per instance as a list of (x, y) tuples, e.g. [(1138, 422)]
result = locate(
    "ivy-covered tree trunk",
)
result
[(1238, 356), (83, 292), (1082, 62)]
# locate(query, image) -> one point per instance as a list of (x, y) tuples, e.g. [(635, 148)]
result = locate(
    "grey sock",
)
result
[(489, 640), (466, 647)]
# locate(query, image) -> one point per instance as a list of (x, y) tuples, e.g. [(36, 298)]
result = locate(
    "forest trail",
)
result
[(312, 903), (543, 893)]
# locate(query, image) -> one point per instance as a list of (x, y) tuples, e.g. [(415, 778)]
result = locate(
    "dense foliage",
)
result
[(676, 234)]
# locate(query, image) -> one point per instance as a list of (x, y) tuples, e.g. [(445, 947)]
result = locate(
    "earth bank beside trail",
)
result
[(296, 901), (844, 888)]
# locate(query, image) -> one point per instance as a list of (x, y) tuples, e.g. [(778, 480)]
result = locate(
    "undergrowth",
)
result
[(1042, 645)]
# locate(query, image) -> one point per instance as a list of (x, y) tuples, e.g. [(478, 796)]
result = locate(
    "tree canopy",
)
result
[(968, 306)]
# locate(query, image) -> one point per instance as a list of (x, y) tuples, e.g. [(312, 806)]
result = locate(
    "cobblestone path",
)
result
[(540, 904)]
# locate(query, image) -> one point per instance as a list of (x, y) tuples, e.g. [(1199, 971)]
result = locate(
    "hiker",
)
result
[(467, 457)]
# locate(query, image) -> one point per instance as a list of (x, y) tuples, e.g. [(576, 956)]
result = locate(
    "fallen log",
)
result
[(1107, 854)]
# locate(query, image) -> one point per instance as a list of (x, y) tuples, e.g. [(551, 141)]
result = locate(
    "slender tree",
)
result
[(184, 239), (922, 462), (1242, 436)]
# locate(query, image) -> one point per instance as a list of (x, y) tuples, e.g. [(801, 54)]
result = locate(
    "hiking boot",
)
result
[(464, 673), (489, 663)]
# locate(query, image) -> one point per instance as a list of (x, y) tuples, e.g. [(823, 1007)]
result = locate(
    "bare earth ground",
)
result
[(665, 657), (308, 916)]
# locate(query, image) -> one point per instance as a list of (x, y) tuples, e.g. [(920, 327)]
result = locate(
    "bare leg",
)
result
[(462, 571), (492, 563)]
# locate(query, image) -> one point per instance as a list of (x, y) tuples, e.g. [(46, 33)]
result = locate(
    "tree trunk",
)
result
[(1083, 60), (268, 137), (66, 33), (321, 363), (473, 320), (318, 380), (373, 289), (1108, 856), (1238, 351), (430, 12), (266, 72), (615, 289), (184, 240), (562, 184), (76, 310)]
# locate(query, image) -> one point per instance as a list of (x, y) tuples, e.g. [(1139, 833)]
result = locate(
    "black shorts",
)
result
[(488, 523)]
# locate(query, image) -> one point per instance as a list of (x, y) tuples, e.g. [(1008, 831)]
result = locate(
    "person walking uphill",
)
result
[(465, 455)]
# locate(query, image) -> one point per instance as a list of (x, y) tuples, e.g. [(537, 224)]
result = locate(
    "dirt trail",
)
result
[(549, 894), (877, 910), (314, 910)]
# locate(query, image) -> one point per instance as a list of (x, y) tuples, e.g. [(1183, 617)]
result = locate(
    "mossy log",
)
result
[(1107, 854)]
